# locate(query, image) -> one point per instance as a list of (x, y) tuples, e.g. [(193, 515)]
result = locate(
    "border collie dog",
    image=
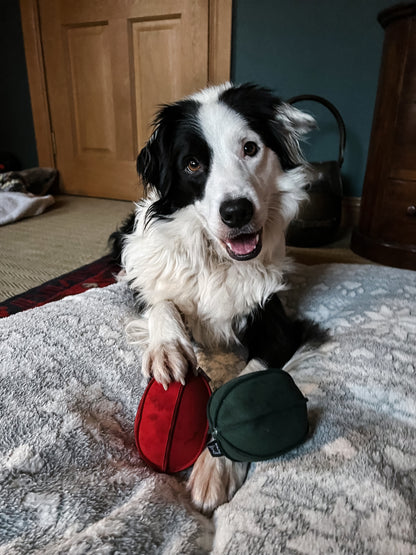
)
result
[(205, 250)]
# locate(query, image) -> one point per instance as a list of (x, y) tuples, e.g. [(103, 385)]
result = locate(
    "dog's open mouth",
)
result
[(244, 246)]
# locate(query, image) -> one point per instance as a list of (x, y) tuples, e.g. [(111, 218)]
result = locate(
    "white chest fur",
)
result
[(175, 260)]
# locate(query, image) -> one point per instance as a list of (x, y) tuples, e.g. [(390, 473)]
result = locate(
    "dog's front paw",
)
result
[(214, 481), (169, 361)]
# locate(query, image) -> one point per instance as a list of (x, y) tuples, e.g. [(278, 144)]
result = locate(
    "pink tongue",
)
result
[(243, 244)]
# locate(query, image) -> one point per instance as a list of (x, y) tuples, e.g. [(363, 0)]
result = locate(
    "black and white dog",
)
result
[(205, 250)]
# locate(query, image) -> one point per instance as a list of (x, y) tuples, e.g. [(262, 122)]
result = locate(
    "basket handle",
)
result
[(335, 113)]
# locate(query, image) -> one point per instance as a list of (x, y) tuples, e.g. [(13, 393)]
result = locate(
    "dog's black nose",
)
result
[(236, 212)]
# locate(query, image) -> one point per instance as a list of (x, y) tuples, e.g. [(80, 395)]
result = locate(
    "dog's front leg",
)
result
[(169, 354), (214, 480)]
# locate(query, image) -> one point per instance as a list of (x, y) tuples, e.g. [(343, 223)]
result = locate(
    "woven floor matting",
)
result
[(70, 234)]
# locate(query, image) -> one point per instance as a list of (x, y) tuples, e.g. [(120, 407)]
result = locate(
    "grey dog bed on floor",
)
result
[(73, 482)]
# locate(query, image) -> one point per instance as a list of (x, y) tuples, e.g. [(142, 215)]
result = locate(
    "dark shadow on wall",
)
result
[(16, 128)]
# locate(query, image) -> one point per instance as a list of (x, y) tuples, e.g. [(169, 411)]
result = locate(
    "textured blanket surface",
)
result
[(71, 480)]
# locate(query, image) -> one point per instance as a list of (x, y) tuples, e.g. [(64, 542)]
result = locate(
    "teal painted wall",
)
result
[(331, 48)]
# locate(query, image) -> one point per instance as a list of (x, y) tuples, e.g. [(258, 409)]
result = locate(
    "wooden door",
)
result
[(108, 64)]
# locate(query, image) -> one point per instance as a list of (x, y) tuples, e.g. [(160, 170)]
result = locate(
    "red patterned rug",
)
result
[(100, 273)]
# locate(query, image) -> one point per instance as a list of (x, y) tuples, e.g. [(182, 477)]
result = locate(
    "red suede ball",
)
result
[(171, 426)]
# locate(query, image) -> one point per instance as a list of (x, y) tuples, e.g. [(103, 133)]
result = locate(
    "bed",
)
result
[(73, 482)]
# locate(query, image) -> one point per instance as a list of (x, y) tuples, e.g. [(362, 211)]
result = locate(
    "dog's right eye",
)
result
[(192, 165), (250, 149)]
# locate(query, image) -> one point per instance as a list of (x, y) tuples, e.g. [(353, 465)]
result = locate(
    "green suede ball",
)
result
[(257, 416)]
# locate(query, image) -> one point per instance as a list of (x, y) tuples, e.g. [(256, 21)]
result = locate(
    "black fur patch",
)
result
[(258, 106), (271, 336), (162, 162)]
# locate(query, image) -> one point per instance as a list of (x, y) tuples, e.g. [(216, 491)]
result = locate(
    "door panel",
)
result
[(156, 43), (109, 64), (90, 78)]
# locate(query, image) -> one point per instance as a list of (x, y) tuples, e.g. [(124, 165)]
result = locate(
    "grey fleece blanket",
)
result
[(72, 481)]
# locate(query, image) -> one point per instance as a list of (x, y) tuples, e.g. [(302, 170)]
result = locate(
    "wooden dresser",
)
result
[(386, 231)]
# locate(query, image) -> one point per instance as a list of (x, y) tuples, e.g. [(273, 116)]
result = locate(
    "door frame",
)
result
[(219, 62)]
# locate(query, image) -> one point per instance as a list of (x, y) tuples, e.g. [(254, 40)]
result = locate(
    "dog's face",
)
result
[(224, 150)]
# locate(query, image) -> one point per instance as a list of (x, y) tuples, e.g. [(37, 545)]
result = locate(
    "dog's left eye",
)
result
[(192, 165), (250, 149)]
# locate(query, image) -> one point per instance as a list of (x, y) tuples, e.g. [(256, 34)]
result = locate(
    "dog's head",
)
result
[(228, 151)]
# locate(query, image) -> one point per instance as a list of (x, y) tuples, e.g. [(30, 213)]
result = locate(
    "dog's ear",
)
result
[(289, 125), (153, 162), (143, 164), (293, 120), (147, 162)]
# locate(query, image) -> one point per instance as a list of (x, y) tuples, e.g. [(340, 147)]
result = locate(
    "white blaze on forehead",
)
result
[(226, 131), (223, 128)]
